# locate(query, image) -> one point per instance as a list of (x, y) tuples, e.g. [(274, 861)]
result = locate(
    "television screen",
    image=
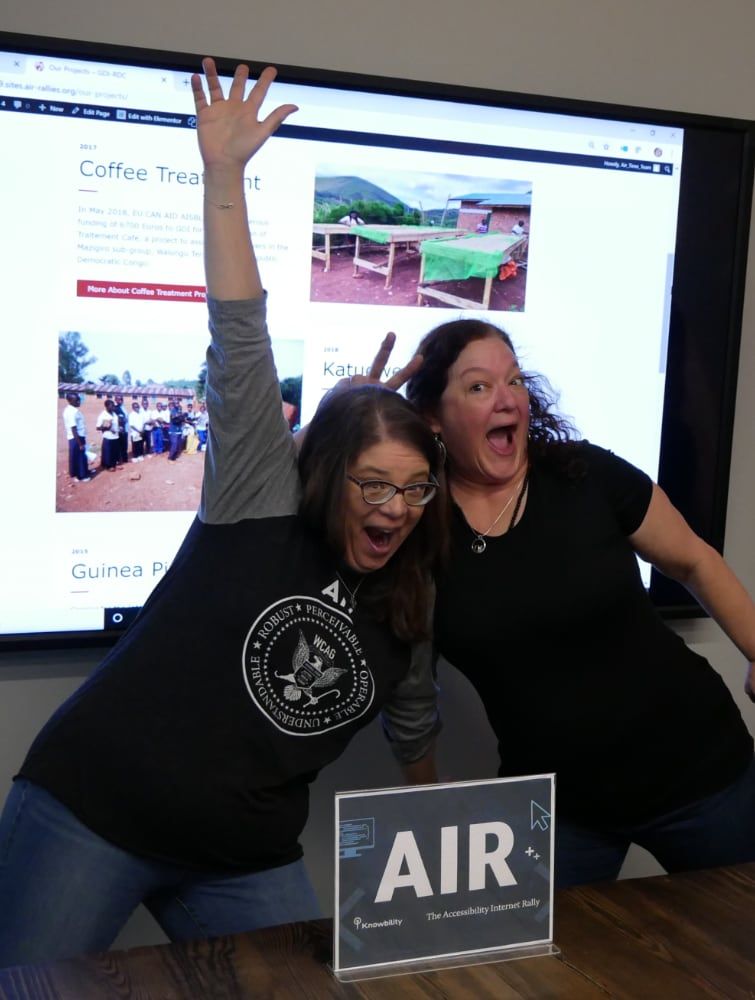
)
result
[(609, 242)]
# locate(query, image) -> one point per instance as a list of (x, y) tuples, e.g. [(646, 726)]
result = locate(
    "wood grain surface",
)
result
[(671, 937)]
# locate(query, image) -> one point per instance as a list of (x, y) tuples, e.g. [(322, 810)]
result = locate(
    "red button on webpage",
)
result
[(140, 290)]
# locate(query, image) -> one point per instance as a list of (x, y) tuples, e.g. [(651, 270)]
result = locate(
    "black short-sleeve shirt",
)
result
[(577, 671)]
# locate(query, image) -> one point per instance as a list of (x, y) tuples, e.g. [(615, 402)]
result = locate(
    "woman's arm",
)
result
[(666, 540), (411, 720), (423, 771), (374, 376), (250, 466), (229, 134)]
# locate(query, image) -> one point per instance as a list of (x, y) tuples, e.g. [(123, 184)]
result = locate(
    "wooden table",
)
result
[(327, 229), (392, 237), (680, 937), (492, 250)]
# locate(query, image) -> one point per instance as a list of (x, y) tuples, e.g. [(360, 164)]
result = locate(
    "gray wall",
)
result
[(686, 55)]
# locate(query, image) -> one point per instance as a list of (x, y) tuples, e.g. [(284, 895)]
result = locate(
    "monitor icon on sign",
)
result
[(355, 836)]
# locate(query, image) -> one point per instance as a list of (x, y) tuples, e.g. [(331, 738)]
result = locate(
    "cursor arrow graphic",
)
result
[(539, 817)]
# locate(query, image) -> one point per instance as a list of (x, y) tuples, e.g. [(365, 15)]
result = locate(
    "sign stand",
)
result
[(438, 964), (442, 876)]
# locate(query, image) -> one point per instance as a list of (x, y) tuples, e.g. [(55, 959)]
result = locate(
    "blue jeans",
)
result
[(717, 830), (65, 891)]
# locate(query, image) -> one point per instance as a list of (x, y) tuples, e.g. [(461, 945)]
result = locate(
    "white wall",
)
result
[(685, 55)]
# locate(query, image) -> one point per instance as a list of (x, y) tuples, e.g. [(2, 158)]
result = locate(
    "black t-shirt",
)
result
[(577, 671), (244, 673), (195, 740)]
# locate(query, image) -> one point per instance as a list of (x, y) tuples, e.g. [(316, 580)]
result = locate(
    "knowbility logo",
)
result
[(305, 668)]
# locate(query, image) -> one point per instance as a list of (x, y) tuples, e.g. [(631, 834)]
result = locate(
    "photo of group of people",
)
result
[(114, 429), (124, 444), (395, 238)]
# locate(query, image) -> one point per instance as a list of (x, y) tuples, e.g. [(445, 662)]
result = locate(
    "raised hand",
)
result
[(229, 129), (229, 132), (374, 375)]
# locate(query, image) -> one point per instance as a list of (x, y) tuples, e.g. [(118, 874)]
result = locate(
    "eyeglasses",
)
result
[(375, 491)]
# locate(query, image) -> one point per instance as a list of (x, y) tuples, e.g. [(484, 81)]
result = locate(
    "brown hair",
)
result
[(345, 424)]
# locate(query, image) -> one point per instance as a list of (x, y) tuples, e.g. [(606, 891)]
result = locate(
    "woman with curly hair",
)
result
[(543, 608)]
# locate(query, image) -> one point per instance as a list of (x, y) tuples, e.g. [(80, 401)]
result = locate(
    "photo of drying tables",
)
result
[(433, 240)]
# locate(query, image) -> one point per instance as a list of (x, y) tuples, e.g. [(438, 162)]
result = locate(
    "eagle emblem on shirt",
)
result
[(308, 675), (305, 667)]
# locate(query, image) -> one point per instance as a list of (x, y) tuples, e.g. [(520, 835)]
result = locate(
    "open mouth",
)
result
[(380, 540), (501, 439)]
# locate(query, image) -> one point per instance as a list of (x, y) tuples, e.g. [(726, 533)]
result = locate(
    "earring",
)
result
[(440, 444)]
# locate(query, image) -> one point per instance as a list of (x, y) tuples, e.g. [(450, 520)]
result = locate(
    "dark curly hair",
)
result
[(442, 346), (345, 424)]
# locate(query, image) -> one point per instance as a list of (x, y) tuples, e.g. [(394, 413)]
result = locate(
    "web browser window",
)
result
[(559, 229)]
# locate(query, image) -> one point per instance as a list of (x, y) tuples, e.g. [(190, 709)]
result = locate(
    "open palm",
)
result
[(229, 129)]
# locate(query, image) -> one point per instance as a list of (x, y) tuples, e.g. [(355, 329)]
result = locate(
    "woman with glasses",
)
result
[(178, 774)]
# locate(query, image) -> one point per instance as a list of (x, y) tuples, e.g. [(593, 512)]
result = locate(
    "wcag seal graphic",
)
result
[(304, 667)]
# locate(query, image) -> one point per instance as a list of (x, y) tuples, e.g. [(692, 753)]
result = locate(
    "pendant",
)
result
[(479, 545)]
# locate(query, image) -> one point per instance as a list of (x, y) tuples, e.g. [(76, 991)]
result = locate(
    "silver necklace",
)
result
[(352, 593), (478, 543)]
